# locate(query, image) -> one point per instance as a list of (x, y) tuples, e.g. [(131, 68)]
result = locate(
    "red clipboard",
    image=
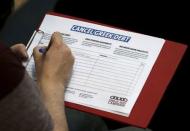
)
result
[(154, 88)]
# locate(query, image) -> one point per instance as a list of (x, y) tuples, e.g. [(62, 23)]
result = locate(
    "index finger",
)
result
[(56, 40)]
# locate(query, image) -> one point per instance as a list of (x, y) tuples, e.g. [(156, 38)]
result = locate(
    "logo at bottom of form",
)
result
[(119, 101)]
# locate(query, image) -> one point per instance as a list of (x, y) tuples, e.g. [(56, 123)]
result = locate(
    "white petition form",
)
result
[(111, 65)]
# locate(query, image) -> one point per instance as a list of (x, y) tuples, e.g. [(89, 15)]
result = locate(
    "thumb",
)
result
[(38, 58), (20, 51)]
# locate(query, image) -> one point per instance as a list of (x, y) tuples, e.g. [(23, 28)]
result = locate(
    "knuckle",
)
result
[(57, 44), (20, 46), (67, 51), (57, 40)]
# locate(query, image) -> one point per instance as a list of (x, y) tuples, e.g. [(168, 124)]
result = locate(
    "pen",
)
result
[(43, 50)]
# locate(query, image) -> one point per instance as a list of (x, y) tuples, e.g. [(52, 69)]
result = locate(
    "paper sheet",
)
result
[(111, 65)]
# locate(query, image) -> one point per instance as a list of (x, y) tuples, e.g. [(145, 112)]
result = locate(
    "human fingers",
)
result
[(38, 53), (20, 51)]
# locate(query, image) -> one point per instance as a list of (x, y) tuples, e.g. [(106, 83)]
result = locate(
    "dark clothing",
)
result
[(21, 106), (11, 69), (6, 7)]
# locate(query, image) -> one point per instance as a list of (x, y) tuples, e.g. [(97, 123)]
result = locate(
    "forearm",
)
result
[(54, 102), (53, 70), (57, 112)]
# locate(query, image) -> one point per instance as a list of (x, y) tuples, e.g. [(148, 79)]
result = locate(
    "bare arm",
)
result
[(53, 70)]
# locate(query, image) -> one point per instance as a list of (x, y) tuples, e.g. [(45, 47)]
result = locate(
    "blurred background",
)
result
[(165, 19)]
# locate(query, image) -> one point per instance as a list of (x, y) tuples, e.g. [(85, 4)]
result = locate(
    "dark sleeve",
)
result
[(21, 106), (11, 71)]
